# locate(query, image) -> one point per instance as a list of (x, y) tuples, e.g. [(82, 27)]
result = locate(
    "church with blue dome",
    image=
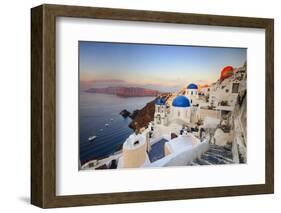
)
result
[(179, 111), (181, 101), (192, 86), (160, 101), (160, 115), (192, 93)]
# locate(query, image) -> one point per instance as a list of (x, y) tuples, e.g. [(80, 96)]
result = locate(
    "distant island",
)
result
[(125, 91)]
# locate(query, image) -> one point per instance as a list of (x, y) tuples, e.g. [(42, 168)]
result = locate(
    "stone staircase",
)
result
[(215, 155)]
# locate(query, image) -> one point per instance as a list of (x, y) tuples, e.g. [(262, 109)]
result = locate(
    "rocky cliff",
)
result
[(143, 116)]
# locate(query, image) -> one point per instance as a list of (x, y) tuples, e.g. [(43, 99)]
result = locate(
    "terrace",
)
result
[(157, 150)]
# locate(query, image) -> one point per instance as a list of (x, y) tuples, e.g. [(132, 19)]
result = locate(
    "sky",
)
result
[(154, 66)]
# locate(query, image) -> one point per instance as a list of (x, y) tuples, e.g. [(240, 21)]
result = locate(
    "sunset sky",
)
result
[(159, 65)]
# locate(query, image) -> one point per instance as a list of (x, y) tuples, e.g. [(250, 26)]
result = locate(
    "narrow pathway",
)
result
[(215, 155)]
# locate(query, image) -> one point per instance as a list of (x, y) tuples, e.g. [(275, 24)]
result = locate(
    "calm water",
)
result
[(95, 111)]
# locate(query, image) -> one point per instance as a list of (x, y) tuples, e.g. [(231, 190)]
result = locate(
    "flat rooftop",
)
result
[(157, 150)]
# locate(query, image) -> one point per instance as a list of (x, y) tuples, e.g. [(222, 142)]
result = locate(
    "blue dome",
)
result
[(192, 86), (181, 101), (159, 101)]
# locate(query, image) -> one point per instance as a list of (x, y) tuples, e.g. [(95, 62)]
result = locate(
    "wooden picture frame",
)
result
[(43, 105)]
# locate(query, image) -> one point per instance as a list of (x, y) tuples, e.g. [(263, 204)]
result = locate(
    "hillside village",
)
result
[(198, 125)]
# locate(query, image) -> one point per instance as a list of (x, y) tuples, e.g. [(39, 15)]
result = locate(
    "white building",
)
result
[(134, 152), (225, 91), (191, 92), (205, 90), (181, 110), (161, 113)]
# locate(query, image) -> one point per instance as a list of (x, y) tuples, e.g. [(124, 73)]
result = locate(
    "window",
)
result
[(235, 87), (191, 92), (179, 113), (158, 119)]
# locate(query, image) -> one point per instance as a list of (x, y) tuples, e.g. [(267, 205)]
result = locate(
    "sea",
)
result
[(97, 110)]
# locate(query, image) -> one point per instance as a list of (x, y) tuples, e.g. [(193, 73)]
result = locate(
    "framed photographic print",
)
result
[(136, 106)]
